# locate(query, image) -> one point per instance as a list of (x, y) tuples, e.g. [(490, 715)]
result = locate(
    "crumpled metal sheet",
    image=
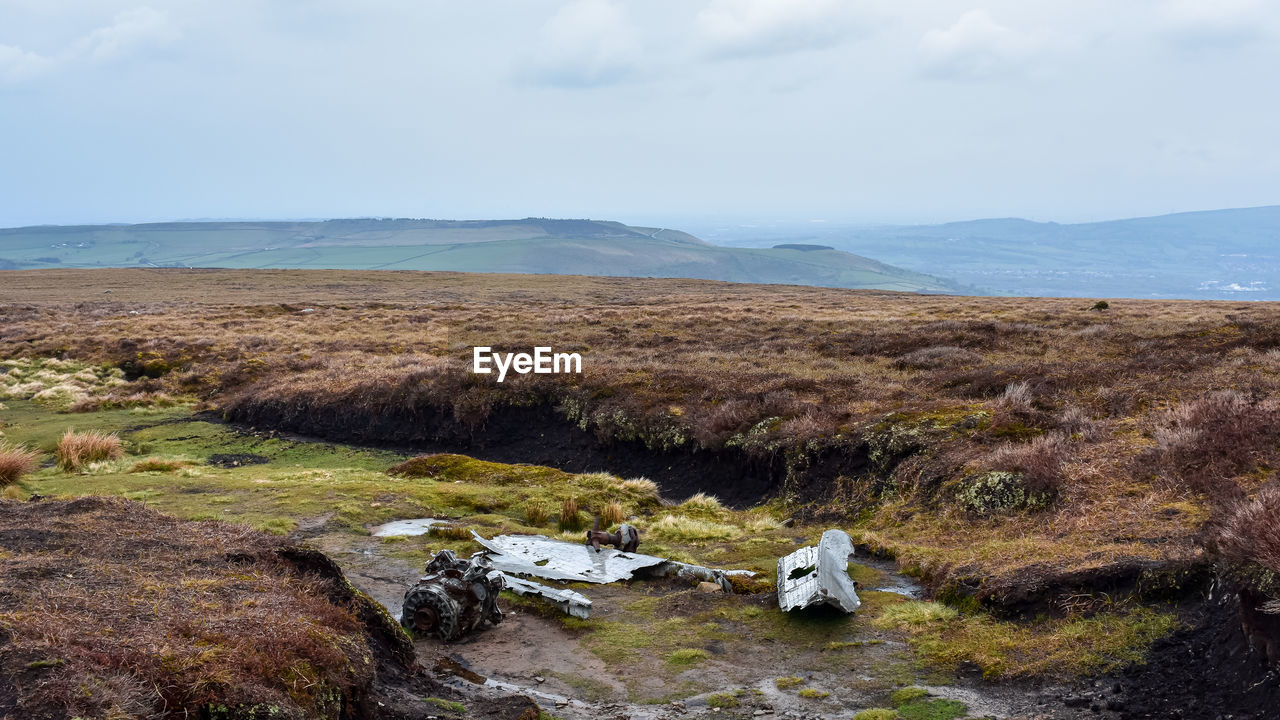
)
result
[(828, 581), (559, 560), (570, 602)]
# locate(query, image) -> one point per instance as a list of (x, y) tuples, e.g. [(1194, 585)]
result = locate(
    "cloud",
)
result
[(129, 31), (752, 28), (587, 43), (17, 64), (1198, 24), (976, 47)]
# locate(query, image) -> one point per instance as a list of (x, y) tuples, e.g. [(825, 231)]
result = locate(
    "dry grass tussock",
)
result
[(78, 450), (570, 517), (77, 573), (15, 461), (536, 513), (612, 514)]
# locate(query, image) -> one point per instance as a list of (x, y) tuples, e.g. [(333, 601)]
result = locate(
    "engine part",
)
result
[(453, 598)]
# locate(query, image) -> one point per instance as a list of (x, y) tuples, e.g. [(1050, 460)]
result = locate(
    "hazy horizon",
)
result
[(673, 223), (729, 110)]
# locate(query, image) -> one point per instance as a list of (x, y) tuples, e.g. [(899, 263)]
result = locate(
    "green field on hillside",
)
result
[(572, 247)]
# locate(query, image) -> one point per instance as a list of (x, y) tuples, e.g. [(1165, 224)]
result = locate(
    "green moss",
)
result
[(998, 491), (722, 700), (786, 683), (813, 694), (876, 714), (40, 664), (933, 710), (906, 695), (1016, 431), (686, 656)]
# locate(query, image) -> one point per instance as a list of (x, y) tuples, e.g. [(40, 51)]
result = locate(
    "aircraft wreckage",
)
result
[(458, 596), (818, 575)]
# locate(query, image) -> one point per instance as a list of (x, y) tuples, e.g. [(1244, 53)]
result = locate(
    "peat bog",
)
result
[(1075, 487)]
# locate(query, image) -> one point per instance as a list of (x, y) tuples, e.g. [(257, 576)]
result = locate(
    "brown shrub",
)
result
[(179, 658), (75, 450), (15, 461), (1215, 438), (570, 518), (1038, 462), (1075, 421), (1249, 533), (1016, 399)]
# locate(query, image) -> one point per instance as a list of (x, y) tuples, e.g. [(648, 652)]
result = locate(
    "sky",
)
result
[(650, 111)]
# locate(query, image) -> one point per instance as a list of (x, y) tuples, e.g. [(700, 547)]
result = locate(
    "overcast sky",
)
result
[(643, 111)]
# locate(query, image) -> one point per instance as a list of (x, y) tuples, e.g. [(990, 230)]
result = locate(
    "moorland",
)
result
[(1083, 489)]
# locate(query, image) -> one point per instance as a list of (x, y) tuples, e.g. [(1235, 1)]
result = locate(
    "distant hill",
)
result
[(1216, 254), (532, 245)]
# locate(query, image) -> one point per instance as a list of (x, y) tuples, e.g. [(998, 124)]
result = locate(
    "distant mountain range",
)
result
[(532, 245), (1216, 254)]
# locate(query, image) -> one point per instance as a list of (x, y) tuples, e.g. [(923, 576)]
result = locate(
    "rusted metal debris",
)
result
[(818, 575), (544, 557), (454, 597), (627, 539)]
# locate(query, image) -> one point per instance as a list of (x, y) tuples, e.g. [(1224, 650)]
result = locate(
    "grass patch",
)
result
[(722, 700), (786, 683), (157, 465), (916, 615), (876, 714), (686, 656), (906, 695), (947, 639), (687, 529), (450, 705), (933, 710), (813, 694)]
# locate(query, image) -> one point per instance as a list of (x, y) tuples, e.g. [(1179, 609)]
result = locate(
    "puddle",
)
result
[(406, 528), (893, 581)]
